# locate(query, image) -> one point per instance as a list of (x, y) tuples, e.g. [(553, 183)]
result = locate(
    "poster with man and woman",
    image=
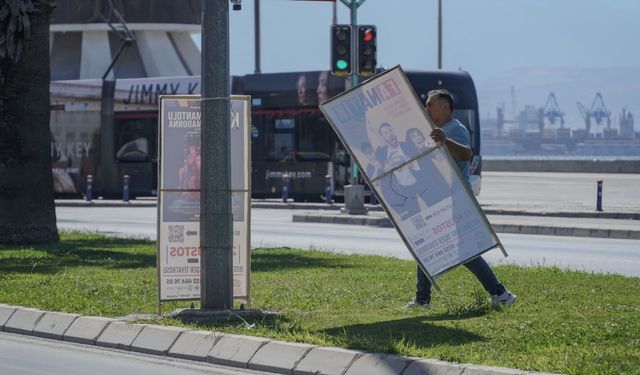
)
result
[(387, 132)]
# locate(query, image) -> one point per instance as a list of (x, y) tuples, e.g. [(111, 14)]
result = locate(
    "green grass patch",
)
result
[(564, 321)]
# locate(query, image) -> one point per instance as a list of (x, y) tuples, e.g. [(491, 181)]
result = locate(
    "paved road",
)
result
[(272, 227), (25, 355)]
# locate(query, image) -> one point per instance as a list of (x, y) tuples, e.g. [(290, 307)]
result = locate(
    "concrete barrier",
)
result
[(566, 166)]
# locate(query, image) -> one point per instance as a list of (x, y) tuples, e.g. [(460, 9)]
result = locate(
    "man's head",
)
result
[(439, 106), (387, 133)]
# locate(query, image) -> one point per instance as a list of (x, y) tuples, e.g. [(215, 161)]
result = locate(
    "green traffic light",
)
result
[(341, 64)]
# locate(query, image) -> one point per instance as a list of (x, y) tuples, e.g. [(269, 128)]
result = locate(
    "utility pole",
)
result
[(216, 231), (256, 27), (439, 34)]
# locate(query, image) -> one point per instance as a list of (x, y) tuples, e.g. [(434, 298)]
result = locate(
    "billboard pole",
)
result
[(216, 231)]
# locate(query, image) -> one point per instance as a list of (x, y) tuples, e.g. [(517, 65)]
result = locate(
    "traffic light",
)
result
[(341, 50), (367, 39)]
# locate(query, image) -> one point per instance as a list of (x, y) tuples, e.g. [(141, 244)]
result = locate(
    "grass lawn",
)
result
[(564, 321)]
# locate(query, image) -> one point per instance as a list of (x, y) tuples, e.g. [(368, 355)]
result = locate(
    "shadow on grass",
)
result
[(394, 335), (104, 252), (266, 260)]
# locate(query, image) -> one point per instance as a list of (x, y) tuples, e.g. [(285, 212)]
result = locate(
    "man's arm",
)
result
[(459, 151)]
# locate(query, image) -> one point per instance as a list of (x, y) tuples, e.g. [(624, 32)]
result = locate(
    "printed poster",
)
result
[(179, 197), (386, 130)]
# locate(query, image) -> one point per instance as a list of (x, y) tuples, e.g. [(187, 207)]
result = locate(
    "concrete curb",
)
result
[(194, 345), (329, 361), (279, 357), (235, 350), (119, 335), (378, 364), (549, 230), (53, 325), (23, 321), (86, 329), (226, 349), (156, 339)]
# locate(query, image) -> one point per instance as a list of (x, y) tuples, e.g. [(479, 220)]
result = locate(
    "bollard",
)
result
[(285, 187), (599, 198), (328, 189), (372, 198), (89, 191), (125, 188)]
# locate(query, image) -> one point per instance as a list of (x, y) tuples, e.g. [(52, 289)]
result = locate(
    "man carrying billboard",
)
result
[(422, 181), (455, 137)]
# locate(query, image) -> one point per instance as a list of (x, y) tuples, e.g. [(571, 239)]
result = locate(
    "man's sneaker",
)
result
[(505, 299), (415, 304)]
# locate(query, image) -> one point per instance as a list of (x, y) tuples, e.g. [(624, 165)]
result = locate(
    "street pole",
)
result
[(257, 35), (216, 236), (439, 34)]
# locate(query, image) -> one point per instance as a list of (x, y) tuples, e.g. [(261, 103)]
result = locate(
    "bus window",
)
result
[(133, 138), (136, 150), (314, 138), (281, 140)]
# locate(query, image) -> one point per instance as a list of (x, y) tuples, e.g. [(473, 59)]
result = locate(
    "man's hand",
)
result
[(458, 151), (438, 135)]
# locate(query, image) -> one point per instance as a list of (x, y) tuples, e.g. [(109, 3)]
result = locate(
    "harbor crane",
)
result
[(552, 110), (598, 112)]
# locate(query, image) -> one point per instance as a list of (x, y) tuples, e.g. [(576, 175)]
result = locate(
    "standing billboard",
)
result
[(386, 131), (179, 197)]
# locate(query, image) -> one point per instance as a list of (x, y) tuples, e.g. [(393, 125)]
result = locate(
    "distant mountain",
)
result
[(620, 87)]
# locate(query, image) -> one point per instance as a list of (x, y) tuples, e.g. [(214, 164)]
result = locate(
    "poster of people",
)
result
[(179, 197), (386, 129)]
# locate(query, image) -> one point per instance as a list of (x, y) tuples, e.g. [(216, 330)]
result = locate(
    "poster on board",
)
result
[(179, 197), (386, 130)]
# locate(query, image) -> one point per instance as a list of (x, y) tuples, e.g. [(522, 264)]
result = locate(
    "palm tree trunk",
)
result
[(27, 210)]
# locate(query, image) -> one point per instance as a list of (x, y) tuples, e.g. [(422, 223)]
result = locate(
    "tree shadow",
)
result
[(390, 336), (103, 252), (277, 260)]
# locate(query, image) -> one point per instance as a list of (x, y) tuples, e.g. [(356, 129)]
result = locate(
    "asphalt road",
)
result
[(25, 355)]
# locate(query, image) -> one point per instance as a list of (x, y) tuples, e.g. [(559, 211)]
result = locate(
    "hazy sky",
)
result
[(483, 37)]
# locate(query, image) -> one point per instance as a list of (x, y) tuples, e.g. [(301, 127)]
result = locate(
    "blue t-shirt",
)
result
[(458, 133)]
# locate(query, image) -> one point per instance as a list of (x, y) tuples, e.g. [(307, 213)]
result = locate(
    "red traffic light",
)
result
[(368, 35)]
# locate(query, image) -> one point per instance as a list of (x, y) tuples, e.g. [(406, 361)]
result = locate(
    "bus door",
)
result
[(136, 151), (290, 143)]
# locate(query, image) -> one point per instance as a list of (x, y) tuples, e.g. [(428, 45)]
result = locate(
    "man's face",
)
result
[(438, 110), (389, 135)]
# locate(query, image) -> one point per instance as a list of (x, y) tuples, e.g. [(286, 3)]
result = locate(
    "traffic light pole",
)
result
[(353, 5), (354, 198)]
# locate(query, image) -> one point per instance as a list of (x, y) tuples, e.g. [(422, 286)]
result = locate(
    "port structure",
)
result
[(598, 112)]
